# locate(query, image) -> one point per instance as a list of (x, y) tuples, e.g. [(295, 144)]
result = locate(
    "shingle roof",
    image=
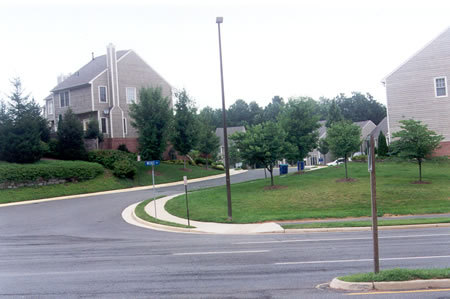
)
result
[(382, 126), (87, 73), (361, 124), (230, 131)]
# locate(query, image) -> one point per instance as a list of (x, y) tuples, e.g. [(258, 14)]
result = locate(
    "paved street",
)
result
[(83, 248)]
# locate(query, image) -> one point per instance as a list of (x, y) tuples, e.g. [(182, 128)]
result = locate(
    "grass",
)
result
[(317, 195), (399, 274), (140, 212), (367, 223), (165, 173)]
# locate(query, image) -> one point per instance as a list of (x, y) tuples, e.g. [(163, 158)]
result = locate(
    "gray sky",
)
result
[(286, 48)]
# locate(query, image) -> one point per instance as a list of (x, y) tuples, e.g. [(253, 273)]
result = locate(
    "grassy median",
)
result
[(141, 213), (398, 274), (322, 194)]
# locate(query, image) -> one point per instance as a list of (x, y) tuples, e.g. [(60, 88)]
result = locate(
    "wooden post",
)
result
[(373, 193)]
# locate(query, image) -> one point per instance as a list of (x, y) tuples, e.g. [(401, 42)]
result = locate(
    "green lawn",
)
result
[(398, 274), (165, 173), (317, 194), (141, 213)]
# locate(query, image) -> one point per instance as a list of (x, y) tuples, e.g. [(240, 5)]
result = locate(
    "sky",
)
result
[(280, 47)]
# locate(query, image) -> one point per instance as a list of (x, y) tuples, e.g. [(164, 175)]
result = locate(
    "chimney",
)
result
[(111, 62)]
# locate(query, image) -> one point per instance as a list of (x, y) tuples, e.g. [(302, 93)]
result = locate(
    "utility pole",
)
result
[(373, 195)]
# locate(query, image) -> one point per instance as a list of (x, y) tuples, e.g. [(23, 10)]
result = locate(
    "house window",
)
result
[(102, 94), (104, 127), (131, 95), (50, 107), (85, 124), (440, 85), (125, 126), (64, 99)]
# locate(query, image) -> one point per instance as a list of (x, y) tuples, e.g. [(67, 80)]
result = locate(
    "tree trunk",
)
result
[(420, 169), (271, 175), (206, 162), (265, 173), (345, 162), (184, 162)]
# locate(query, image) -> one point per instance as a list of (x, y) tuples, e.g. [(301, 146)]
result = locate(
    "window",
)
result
[(131, 95), (125, 126), (102, 94), (104, 125), (440, 85), (64, 99), (85, 124), (50, 107)]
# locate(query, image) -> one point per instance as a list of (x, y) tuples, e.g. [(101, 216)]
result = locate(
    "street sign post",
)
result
[(187, 205), (153, 163), (373, 193)]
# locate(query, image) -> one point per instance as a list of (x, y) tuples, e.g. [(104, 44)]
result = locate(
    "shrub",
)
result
[(360, 158), (107, 158), (70, 137), (218, 167), (123, 147), (52, 151), (201, 160), (124, 169), (46, 170)]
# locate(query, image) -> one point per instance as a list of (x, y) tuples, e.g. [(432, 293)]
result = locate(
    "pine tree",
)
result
[(208, 142), (334, 114), (382, 145), (70, 137)]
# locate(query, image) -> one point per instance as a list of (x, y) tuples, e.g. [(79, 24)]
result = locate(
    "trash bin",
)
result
[(283, 169), (300, 165)]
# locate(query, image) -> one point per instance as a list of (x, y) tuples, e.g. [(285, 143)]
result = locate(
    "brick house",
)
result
[(418, 89), (103, 89)]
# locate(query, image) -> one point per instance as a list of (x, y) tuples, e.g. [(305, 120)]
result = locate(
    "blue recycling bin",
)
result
[(283, 169), (300, 165)]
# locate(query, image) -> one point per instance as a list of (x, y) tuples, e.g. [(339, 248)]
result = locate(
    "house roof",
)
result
[(230, 131), (322, 129), (88, 72), (362, 124), (382, 126)]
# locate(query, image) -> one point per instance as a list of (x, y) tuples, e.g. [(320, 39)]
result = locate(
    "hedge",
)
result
[(46, 170), (107, 158)]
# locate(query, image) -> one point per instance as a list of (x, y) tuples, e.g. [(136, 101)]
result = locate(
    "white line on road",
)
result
[(339, 239), (366, 260), (221, 252)]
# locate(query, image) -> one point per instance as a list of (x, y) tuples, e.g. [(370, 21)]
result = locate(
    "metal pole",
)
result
[(154, 194), (219, 20), (373, 193)]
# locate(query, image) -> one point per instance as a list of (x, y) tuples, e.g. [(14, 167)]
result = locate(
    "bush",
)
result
[(218, 167), (123, 147), (201, 160), (124, 169), (360, 158), (107, 158), (46, 170)]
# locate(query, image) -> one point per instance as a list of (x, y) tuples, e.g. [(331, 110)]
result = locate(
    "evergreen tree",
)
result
[(208, 143), (70, 137), (382, 149), (152, 116), (334, 114), (324, 148), (93, 130), (185, 131)]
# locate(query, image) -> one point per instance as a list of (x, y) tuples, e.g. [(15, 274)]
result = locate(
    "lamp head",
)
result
[(219, 20)]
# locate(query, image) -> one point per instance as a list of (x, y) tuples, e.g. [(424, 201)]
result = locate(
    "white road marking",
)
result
[(366, 260), (338, 239), (221, 252)]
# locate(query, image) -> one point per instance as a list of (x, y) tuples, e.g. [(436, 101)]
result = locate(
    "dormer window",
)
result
[(440, 86), (64, 99)]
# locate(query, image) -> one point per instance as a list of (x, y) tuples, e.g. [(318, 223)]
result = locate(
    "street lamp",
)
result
[(219, 20)]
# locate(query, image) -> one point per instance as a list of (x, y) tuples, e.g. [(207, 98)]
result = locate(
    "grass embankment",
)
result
[(317, 194), (140, 212), (367, 223), (398, 274), (164, 173)]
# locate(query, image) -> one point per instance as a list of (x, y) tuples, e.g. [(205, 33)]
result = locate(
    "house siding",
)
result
[(410, 90)]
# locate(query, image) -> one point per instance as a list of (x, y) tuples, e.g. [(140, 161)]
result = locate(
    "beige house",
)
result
[(104, 89), (418, 89)]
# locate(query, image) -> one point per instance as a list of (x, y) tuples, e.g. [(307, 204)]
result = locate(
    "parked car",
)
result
[(336, 162)]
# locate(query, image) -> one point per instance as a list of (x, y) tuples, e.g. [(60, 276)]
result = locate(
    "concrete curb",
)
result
[(357, 229), (390, 285), (119, 190)]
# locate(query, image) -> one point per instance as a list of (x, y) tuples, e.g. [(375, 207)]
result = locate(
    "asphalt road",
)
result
[(82, 248)]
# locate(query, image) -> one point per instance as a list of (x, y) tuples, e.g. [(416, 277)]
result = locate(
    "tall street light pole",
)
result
[(219, 20)]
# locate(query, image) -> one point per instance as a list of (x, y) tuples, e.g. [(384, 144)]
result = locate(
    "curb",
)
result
[(390, 285), (357, 229)]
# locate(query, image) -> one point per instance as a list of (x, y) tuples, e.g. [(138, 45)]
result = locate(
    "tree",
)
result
[(22, 128), (151, 116), (264, 144), (324, 148), (185, 134), (360, 107), (273, 110), (211, 117), (416, 141), (382, 145), (208, 142), (344, 139), (256, 113), (334, 114), (93, 130), (238, 114), (301, 123), (70, 137)]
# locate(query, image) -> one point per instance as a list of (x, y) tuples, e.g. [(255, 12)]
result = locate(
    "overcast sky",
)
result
[(286, 48)]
